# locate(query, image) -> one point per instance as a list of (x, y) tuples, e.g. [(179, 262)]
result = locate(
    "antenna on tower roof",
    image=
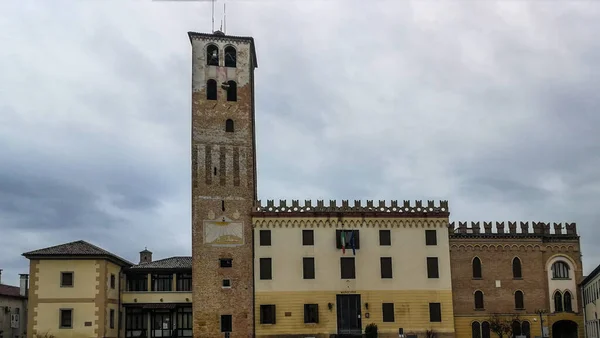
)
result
[(213, 16), (224, 19)]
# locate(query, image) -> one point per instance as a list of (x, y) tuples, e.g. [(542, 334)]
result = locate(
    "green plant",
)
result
[(44, 335), (371, 331)]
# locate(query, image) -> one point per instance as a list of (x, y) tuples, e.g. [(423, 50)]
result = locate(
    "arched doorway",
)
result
[(564, 329)]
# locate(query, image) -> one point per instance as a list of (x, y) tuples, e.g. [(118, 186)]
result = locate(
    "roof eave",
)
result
[(116, 260)]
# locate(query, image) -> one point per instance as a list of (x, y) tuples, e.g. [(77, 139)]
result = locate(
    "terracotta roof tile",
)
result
[(177, 262), (10, 291), (77, 248)]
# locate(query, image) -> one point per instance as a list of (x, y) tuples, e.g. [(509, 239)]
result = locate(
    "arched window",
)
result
[(526, 329), (560, 269), (567, 299), (478, 299), (229, 126), (516, 328), (212, 55), (475, 330), (211, 89), (476, 267), (230, 57), (558, 304), (485, 330), (519, 301), (231, 91), (516, 266)]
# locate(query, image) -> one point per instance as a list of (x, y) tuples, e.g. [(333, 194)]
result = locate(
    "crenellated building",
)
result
[(528, 275), (323, 270)]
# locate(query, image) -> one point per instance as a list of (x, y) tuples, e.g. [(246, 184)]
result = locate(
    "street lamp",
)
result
[(541, 312)]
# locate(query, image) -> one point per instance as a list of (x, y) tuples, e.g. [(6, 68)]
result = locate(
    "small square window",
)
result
[(308, 237), (226, 262), (66, 279), (311, 313), (226, 283), (430, 237), (267, 314), (385, 237)]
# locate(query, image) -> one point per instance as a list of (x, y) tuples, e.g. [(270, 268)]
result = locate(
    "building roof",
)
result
[(77, 249), (591, 276), (221, 36), (10, 291), (177, 262)]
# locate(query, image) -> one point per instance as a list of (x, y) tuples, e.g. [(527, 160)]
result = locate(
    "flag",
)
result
[(343, 240), (352, 243)]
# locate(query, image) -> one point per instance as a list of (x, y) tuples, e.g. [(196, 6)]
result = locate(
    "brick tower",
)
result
[(223, 184)]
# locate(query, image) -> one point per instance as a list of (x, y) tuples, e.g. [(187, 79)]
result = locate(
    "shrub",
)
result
[(371, 331)]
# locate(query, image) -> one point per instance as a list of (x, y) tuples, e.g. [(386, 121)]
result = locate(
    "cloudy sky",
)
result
[(491, 105)]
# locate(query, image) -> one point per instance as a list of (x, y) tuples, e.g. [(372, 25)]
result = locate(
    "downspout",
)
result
[(119, 303)]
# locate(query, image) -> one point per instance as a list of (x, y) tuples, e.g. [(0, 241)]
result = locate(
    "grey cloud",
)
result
[(491, 106)]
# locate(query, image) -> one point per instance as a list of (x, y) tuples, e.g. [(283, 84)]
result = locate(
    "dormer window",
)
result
[(230, 57), (212, 55)]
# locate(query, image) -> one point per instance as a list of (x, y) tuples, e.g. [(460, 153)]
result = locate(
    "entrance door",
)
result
[(348, 315)]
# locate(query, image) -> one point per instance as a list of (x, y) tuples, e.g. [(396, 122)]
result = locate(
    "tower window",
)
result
[(212, 55), (211, 89), (231, 91), (519, 301), (230, 56), (560, 270), (517, 268), (478, 300), (229, 126), (476, 265)]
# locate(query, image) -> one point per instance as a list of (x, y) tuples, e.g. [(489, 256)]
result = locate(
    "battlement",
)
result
[(382, 208), (537, 228)]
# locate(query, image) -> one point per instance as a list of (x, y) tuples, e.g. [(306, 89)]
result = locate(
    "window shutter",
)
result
[(356, 239), (338, 240)]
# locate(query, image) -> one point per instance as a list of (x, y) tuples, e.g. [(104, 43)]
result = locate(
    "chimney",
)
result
[(24, 284), (0, 276), (145, 256)]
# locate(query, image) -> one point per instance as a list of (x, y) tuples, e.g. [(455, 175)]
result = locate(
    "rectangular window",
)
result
[(435, 312), (267, 314), (311, 313), (308, 237), (265, 269), (388, 312), (184, 322), (162, 282), (347, 268), (265, 237), (226, 283), (308, 266), (432, 267), (385, 237), (225, 262), (112, 281), (111, 319), (184, 282), (135, 322), (430, 237), (349, 237), (386, 267), (226, 323), (66, 279), (137, 282), (66, 319)]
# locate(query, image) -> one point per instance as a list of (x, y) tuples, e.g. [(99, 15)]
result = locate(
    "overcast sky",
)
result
[(493, 106)]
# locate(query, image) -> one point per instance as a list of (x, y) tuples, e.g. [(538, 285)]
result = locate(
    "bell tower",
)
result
[(223, 184)]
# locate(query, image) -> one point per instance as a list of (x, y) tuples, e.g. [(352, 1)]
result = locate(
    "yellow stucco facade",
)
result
[(409, 289), (90, 299)]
